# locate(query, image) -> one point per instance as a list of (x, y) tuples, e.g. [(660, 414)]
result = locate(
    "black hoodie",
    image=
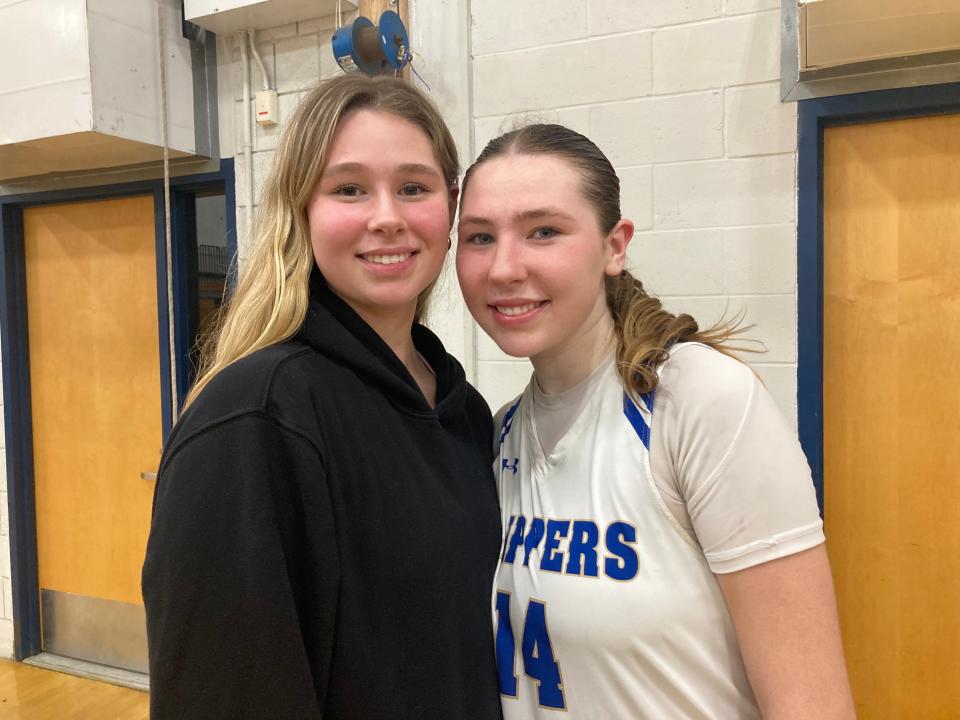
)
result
[(323, 542)]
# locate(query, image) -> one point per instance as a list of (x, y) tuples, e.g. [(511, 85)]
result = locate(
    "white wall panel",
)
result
[(660, 129), (72, 67), (124, 64), (45, 82), (715, 261), (502, 25), (756, 122), (611, 16), (577, 73), (731, 51), (748, 191), (68, 111)]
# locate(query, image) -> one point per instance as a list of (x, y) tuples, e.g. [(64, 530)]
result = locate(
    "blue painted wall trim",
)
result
[(16, 368), (163, 314), (18, 429), (226, 170), (813, 117)]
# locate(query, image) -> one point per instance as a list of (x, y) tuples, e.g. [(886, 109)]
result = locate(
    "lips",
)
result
[(384, 259), (514, 311), (388, 260), (511, 310)]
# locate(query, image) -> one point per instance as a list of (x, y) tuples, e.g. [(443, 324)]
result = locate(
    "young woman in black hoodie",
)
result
[(325, 525)]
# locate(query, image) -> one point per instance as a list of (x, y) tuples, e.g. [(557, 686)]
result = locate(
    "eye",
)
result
[(480, 239), (412, 189), (544, 233), (347, 190)]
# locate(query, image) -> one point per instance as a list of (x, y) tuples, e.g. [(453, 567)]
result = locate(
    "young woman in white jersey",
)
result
[(663, 552)]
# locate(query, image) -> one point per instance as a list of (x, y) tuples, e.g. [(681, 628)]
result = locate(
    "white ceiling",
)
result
[(838, 32)]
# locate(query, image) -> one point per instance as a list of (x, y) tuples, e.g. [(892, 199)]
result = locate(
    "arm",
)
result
[(751, 502), (239, 610), (785, 617)]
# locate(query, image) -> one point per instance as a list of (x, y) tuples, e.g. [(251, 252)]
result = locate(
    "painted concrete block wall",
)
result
[(683, 98), (296, 57)]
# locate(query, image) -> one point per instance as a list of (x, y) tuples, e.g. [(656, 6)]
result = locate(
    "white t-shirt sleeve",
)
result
[(732, 461)]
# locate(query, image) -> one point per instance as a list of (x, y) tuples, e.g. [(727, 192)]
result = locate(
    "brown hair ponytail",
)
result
[(644, 330)]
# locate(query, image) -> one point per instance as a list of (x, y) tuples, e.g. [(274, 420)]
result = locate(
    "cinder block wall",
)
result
[(295, 56), (683, 98)]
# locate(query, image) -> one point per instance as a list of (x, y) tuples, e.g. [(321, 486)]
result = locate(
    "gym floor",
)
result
[(31, 693)]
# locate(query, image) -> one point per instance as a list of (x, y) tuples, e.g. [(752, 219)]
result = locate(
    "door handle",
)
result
[(148, 476)]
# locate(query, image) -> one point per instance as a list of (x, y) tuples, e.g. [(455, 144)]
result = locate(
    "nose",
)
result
[(507, 266), (385, 215)]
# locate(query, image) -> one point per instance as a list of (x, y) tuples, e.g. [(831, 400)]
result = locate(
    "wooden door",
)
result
[(95, 391), (892, 409)]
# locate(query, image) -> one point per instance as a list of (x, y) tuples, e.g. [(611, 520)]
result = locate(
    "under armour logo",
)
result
[(507, 466)]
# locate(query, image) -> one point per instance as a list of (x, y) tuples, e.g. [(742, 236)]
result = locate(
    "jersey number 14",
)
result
[(536, 650)]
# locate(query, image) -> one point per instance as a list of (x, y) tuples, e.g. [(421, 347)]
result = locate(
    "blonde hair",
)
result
[(270, 301), (644, 330)]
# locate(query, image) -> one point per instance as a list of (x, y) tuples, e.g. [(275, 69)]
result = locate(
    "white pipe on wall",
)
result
[(247, 134), (256, 56), (168, 235)]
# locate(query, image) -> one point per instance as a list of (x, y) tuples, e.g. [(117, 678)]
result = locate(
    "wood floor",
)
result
[(29, 693)]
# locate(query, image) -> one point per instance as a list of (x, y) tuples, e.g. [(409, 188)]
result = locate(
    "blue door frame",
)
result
[(813, 117), (16, 358)]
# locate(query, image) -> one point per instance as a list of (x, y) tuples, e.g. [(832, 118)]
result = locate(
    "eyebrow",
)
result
[(353, 167), (532, 214)]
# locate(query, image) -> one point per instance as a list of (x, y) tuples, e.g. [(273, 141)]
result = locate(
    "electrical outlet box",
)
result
[(266, 105)]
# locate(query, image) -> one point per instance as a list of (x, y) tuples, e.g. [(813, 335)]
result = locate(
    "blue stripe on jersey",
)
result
[(648, 399), (508, 420), (636, 419)]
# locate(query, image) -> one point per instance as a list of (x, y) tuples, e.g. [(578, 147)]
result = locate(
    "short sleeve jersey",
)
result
[(606, 604)]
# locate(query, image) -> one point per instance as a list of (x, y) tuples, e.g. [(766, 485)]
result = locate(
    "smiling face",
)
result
[(531, 259), (380, 215)]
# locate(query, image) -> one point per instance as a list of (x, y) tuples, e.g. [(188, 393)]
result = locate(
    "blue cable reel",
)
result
[(372, 49)]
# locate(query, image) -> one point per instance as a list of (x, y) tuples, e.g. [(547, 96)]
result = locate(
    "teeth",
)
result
[(387, 259), (517, 309)]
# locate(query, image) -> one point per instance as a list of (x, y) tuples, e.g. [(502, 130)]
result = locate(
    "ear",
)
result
[(617, 242), (454, 194)]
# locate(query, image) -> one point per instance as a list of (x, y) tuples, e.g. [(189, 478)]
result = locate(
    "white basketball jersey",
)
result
[(603, 607)]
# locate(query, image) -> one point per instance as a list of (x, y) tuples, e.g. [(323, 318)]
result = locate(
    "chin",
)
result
[(518, 347)]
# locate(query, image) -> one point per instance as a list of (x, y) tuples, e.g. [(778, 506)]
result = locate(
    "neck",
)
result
[(563, 367)]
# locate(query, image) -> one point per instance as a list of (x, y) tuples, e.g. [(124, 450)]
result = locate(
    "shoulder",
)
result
[(476, 405), (706, 369), (737, 465), (501, 414), (248, 382), (702, 401), (503, 419), (270, 384), (698, 378)]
